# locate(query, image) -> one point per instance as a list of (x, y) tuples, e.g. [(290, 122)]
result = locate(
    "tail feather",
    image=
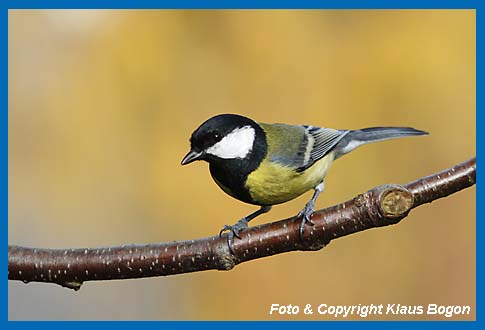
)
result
[(359, 137)]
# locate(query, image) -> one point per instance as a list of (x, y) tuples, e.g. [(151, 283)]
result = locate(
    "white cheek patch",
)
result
[(236, 144)]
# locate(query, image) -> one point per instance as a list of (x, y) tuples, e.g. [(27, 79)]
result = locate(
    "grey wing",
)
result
[(319, 142)]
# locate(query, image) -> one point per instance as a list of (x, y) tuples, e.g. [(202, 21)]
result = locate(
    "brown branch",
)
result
[(381, 206)]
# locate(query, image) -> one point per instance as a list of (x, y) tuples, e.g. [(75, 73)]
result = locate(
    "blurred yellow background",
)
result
[(101, 107)]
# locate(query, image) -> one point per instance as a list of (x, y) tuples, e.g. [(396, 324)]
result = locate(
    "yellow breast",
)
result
[(273, 183)]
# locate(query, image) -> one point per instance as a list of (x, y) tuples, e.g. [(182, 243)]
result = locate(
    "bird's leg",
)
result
[(309, 208), (242, 224)]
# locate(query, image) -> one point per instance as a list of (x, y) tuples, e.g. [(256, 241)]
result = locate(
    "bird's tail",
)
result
[(354, 139)]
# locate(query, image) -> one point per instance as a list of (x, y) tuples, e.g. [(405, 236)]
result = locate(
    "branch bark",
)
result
[(381, 206)]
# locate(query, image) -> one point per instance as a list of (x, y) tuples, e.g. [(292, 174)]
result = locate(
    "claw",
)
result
[(305, 215), (304, 221), (234, 230)]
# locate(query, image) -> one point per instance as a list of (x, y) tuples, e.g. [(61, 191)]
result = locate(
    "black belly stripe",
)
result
[(229, 179), (231, 174)]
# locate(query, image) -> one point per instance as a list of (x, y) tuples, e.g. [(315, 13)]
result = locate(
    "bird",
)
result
[(269, 164)]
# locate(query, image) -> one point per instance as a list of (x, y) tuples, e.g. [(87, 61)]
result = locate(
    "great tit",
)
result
[(268, 164)]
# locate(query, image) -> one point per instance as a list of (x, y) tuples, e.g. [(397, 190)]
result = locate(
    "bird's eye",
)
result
[(216, 135)]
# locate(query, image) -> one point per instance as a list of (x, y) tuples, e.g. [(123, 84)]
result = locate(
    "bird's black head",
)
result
[(225, 136), (234, 146)]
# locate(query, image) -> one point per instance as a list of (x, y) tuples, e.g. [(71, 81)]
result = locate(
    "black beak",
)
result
[(190, 157)]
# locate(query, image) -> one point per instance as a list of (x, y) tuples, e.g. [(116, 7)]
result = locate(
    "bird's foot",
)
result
[(234, 231), (305, 215)]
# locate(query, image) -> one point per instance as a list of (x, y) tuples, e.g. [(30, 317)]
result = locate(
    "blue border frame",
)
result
[(246, 4), (236, 4)]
